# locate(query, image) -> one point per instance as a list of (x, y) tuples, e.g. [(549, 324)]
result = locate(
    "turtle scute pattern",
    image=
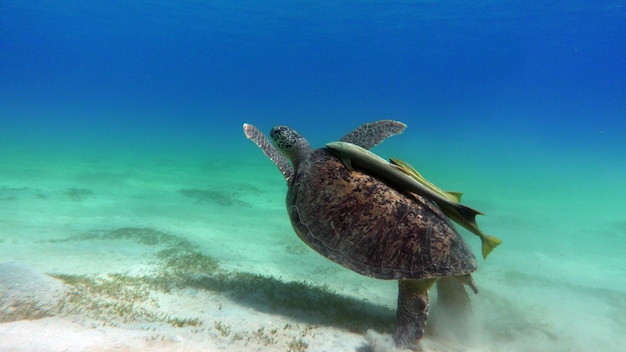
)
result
[(371, 228)]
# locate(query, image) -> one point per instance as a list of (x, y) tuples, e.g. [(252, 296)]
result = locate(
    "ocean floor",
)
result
[(170, 254)]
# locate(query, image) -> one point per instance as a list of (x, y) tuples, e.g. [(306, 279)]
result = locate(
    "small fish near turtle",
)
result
[(366, 221), (404, 176)]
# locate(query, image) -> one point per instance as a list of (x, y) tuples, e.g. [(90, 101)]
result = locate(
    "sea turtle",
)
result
[(357, 220)]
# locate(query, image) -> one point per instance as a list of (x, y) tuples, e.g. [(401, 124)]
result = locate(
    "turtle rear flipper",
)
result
[(452, 318)]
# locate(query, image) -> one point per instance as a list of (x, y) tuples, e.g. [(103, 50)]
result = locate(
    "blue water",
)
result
[(521, 105), (548, 72)]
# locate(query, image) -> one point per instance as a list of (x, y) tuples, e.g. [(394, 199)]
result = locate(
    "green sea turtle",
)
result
[(357, 220)]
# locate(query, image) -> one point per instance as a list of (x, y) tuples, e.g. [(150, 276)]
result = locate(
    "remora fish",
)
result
[(352, 154), (410, 170)]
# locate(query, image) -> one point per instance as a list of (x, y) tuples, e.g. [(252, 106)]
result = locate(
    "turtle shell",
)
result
[(362, 223)]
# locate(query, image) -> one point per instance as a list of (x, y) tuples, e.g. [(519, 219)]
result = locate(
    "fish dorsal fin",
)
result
[(410, 170), (455, 195)]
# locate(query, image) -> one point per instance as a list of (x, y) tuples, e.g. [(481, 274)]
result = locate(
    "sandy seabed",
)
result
[(170, 255)]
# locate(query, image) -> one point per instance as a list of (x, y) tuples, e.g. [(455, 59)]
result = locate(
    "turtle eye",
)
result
[(277, 130), (286, 139), (280, 136)]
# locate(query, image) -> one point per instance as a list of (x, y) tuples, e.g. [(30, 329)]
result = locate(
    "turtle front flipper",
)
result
[(412, 312), (255, 135), (371, 134)]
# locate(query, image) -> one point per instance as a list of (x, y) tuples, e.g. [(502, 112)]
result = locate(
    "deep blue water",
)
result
[(188, 72)]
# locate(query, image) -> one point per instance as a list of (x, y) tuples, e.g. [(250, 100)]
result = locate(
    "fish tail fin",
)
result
[(489, 243), (466, 217)]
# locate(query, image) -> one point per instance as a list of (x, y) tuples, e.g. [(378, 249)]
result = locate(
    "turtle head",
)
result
[(290, 143)]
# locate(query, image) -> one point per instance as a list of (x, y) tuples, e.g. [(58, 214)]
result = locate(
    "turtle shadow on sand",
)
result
[(300, 300), (180, 266)]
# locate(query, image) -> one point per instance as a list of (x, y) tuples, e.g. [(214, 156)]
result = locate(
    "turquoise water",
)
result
[(129, 116)]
